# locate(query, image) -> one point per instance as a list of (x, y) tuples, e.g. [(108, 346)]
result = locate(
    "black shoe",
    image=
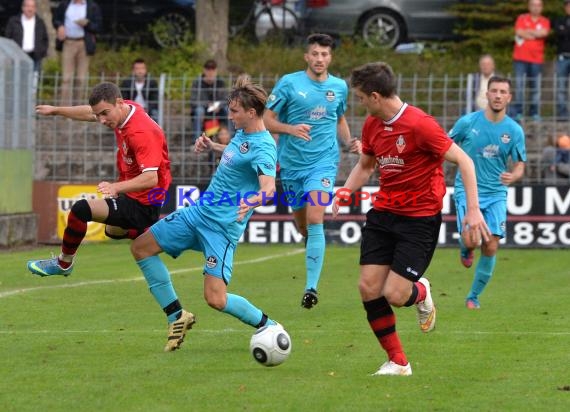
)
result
[(309, 299)]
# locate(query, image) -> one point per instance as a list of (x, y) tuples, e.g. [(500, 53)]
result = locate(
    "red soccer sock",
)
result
[(72, 236), (422, 292), (383, 323)]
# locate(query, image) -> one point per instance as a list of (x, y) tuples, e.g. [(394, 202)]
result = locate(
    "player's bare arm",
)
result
[(145, 180), (266, 191), (516, 173), (275, 126), (359, 175), (83, 112), (473, 217), (354, 145)]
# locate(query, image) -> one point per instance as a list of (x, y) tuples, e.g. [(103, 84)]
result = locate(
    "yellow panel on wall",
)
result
[(69, 194)]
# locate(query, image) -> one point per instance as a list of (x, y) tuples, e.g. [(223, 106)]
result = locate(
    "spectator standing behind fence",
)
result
[(478, 90), (141, 89), (531, 30), (561, 27), (208, 100), (556, 161), (76, 22), (29, 31)]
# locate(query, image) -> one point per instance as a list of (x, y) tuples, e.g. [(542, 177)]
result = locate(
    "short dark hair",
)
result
[(139, 60), (374, 77), (107, 92), (210, 64), (321, 39), (499, 79)]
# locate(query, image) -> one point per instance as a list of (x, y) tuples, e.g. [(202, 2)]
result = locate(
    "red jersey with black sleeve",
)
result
[(409, 151), (141, 146)]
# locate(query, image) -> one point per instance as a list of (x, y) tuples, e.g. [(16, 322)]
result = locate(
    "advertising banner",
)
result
[(538, 216)]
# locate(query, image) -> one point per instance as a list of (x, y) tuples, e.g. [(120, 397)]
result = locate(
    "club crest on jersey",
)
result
[(244, 147), (125, 147), (211, 262), (330, 95), (505, 138), (271, 97), (325, 182), (400, 144)]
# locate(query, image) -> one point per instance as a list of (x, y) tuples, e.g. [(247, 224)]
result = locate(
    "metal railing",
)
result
[(83, 152)]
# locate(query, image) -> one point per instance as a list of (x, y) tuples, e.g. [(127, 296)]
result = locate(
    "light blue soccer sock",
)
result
[(241, 308), (159, 283), (483, 273), (314, 254)]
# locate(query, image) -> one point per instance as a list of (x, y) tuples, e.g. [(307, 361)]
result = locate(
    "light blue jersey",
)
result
[(246, 157), (299, 99), (490, 145)]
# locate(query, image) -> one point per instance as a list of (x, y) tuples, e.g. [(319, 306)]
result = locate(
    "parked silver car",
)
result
[(382, 23)]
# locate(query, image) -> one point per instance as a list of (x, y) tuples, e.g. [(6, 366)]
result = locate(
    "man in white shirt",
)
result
[(29, 31), (141, 88), (477, 100)]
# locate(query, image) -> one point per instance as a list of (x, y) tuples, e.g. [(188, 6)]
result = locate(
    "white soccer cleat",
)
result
[(390, 368), (426, 309)]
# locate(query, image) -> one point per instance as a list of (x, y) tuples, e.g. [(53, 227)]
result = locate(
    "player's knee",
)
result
[(82, 210), (489, 248), (115, 236), (396, 297)]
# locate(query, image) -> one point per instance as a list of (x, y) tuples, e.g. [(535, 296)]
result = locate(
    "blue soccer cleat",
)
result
[(48, 267)]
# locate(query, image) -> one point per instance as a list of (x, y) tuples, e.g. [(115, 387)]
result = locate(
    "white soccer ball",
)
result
[(270, 345)]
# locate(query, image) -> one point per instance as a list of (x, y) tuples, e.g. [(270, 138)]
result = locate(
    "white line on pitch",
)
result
[(138, 278)]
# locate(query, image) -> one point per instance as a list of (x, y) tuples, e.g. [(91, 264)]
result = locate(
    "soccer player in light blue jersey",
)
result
[(306, 109), (491, 139), (245, 179)]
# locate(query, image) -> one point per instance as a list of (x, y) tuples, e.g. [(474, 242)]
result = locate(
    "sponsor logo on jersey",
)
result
[(227, 157), (490, 151), (317, 113)]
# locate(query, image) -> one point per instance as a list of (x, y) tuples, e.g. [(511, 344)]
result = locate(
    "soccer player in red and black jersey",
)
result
[(132, 203), (400, 235)]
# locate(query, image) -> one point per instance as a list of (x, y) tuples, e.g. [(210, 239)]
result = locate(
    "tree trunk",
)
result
[(212, 18), (44, 11)]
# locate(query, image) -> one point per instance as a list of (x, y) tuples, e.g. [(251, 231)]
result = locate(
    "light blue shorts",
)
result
[(185, 229), (297, 184), (494, 212)]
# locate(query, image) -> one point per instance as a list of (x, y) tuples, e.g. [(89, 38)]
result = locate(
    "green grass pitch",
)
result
[(93, 341)]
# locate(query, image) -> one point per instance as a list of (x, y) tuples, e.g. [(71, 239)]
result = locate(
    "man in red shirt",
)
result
[(531, 30), (131, 204), (401, 230)]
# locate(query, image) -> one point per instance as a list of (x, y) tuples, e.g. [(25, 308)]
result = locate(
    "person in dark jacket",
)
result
[(208, 99), (141, 88), (77, 22), (29, 31)]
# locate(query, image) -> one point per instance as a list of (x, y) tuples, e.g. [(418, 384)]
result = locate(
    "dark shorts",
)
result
[(404, 243), (128, 213)]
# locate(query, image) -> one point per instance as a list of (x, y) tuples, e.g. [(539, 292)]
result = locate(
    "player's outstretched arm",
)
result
[(83, 112)]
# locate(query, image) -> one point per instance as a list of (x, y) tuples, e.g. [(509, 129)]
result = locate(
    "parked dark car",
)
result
[(382, 23), (166, 22)]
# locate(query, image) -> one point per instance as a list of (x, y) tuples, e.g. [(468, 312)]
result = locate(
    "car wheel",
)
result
[(171, 29), (382, 29)]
